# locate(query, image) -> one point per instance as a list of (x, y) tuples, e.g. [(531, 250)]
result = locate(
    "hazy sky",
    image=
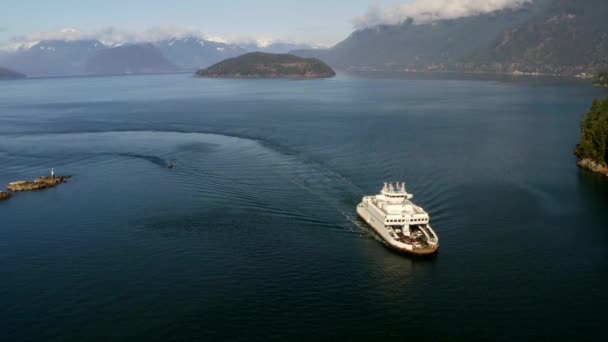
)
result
[(324, 22), (317, 21)]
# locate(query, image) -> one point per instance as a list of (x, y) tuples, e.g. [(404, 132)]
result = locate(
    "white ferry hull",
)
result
[(383, 232)]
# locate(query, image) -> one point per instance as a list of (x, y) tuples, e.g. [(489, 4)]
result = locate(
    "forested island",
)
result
[(268, 65), (592, 151), (7, 74), (601, 79)]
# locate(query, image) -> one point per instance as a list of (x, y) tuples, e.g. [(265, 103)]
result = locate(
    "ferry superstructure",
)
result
[(403, 225)]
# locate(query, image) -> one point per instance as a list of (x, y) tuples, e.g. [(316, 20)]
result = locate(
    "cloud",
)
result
[(116, 36), (109, 35), (427, 11)]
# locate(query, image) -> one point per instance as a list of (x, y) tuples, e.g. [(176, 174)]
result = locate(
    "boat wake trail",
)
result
[(258, 174), (151, 158)]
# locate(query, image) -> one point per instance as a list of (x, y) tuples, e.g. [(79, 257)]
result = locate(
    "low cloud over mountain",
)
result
[(554, 37), (108, 36), (113, 36), (70, 51), (427, 11)]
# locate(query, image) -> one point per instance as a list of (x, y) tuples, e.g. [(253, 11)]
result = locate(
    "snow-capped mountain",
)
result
[(192, 53), (129, 59), (52, 57), (82, 56), (276, 47)]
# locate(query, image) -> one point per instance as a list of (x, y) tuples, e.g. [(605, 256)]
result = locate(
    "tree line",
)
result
[(594, 133)]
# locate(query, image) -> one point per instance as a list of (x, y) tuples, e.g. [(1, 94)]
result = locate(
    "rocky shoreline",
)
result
[(39, 183), (592, 166), (5, 195)]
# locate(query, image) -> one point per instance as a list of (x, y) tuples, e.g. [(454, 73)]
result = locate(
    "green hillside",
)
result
[(565, 37)]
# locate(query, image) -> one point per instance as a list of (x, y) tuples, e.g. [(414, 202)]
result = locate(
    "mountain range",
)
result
[(562, 37), (6, 74), (129, 59), (81, 57), (565, 37)]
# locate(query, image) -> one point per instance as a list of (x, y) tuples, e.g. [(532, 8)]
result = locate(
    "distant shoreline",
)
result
[(454, 72), (265, 77), (338, 72)]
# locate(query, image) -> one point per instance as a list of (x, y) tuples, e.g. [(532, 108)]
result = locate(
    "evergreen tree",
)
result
[(594, 134)]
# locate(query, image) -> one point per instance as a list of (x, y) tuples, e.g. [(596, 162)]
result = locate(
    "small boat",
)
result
[(403, 225)]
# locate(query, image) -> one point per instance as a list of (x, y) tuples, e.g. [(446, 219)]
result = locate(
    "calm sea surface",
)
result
[(253, 234)]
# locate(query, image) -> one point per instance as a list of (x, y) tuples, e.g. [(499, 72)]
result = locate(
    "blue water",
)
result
[(253, 234)]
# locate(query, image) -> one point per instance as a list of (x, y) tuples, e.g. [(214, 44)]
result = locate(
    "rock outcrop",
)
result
[(593, 166), (37, 184), (4, 195)]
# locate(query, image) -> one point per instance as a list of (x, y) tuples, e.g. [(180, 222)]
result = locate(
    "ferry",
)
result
[(402, 225)]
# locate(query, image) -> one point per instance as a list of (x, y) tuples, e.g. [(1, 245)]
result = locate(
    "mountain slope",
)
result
[(568, 37), (546, 36), (129, 59), (53, 57), (413, 46), (192, 53), (7, 74)]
